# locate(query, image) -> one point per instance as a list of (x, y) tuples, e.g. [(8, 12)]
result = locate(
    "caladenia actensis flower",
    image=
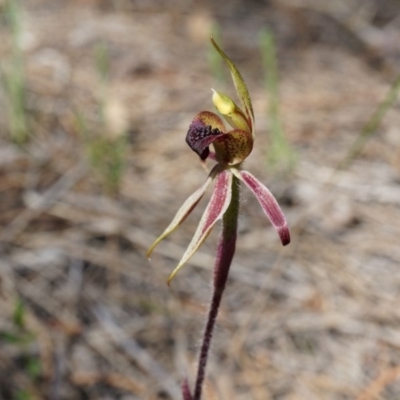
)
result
[(231, 147)]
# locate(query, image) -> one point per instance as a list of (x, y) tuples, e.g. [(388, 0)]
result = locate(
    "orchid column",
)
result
[(231, 148)]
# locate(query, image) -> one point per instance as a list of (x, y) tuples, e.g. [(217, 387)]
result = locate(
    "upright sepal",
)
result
[(216, 208), (186, 209), (267, 202), (241, 88)]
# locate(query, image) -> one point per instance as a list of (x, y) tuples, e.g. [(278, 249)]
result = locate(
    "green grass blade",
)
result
[(280, 153), (370, 128), (214, 60), (14, 79)]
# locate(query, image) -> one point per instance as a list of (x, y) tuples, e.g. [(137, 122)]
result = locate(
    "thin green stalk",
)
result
[(14, 79), (280, 152), (106, 152), (103, 69), (214, 60), (372, 124)]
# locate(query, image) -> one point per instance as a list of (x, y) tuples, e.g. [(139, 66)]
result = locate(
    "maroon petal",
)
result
[(216, 208), (268, 204), (204, 130)]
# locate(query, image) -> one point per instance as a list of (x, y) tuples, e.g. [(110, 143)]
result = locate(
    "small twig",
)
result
[(42, 203), (113, 379), (385, 378)]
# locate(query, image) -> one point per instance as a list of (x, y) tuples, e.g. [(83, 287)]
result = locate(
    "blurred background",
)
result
[(96, 97)]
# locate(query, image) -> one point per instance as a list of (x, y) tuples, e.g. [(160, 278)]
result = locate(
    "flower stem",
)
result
[(225, 252)]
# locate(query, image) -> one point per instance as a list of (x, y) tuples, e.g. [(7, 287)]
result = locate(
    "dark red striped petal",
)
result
[(216, 208), (268, 204)]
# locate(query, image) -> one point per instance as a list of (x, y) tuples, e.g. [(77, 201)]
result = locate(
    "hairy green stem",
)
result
[(225, 253)]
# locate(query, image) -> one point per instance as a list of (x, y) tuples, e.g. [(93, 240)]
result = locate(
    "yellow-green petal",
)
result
[(185, 210)]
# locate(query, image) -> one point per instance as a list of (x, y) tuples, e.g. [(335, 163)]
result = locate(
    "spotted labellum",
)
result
[(231, 148)]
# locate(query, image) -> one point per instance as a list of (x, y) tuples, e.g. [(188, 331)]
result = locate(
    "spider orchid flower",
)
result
[(231, 148)]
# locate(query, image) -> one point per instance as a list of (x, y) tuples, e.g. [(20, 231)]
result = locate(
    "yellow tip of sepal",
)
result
[(151, 248), (231, 112), (174, 272), (223, 103)]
